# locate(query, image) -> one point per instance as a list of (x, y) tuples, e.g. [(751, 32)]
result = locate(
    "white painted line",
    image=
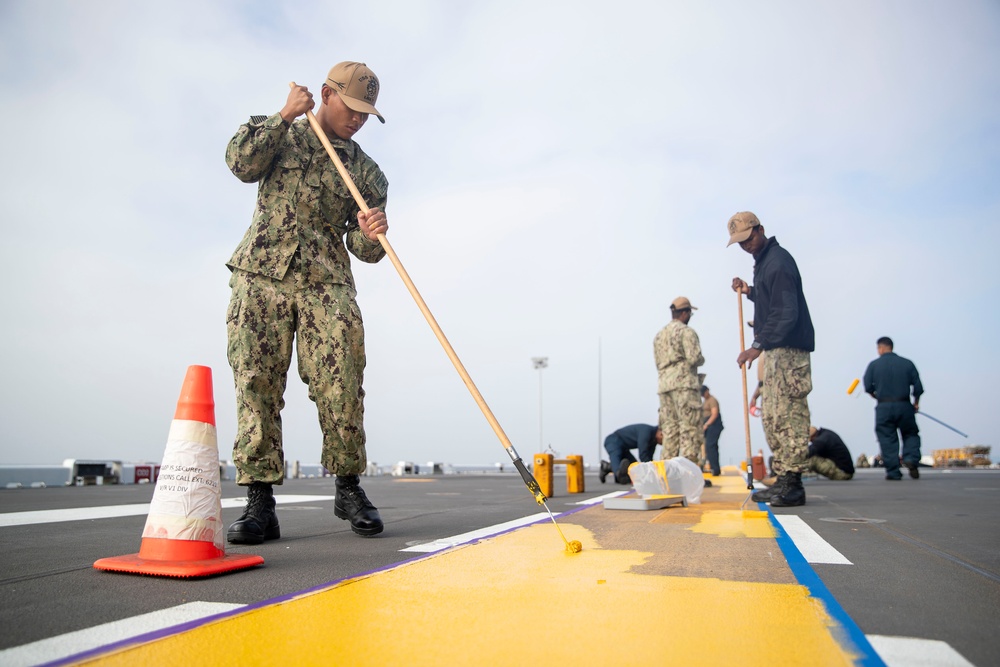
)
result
[(113, 511), (464, 538), (76, 514), (63, 646), (812, 547), (600, 499), (916, 652)]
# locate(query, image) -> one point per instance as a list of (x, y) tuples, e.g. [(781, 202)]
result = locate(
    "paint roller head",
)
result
[(854, 385), (574, 547)]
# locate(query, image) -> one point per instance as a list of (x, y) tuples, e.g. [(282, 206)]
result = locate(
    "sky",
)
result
[(559, 172)]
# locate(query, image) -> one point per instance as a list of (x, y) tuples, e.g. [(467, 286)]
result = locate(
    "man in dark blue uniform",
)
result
[(620, 444), (889, 379)]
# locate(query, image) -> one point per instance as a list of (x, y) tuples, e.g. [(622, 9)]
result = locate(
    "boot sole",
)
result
[(239, 537), (364, 532), (776, 502)]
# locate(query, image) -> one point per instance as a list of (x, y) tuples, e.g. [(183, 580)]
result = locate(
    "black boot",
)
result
[(259, 521), (793, 495), (765, 495), (352, 503), (605, 470), (622, 476)]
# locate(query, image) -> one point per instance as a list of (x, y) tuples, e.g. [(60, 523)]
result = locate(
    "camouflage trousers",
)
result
[(264, 317), (827, 468), (680, 421), (785, 408)]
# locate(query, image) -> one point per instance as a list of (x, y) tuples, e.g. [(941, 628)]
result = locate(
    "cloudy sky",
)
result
[(559, 172)]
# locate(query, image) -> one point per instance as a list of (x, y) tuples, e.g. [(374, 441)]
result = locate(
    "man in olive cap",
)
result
[(782, 328), (292, 281), (677, 352)]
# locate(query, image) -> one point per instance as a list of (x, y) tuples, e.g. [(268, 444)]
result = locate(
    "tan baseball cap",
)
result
[(680, 303), (741, 227), (357, 86)]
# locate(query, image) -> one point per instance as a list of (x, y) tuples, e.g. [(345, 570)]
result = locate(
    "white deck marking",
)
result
[(600, 499), (916, 652), (812, 547), (472, 536), (71, 643), (112, 511)]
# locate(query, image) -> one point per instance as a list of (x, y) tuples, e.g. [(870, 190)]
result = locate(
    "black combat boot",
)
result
[(259, 521), (605, 470), (765, 495), (622, 476), (793, 495), (352, 503)]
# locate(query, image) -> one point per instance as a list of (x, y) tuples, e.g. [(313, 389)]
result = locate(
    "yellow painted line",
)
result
[(518, 599), (732, 482), (734, 523)]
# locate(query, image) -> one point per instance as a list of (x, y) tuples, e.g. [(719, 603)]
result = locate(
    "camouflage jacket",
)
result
[(678, 356), (302, 203)]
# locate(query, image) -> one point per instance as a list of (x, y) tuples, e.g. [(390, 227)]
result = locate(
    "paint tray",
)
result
[(652, 502)]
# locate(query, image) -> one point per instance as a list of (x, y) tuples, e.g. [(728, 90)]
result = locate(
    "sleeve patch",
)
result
[(257, 120), (380, 186)]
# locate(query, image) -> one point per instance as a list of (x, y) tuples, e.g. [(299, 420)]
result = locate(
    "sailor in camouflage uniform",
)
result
[(678, 355), (291, 280), (782, 328)]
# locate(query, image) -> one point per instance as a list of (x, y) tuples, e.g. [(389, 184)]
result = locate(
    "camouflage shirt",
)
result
[(302, 203), (678, 356)]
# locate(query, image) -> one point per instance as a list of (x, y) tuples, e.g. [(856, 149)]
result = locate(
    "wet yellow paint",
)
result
[(514, 600), (733, 523), (732, 483)]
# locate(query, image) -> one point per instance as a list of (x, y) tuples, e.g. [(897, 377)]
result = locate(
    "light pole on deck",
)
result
[(540, 363)]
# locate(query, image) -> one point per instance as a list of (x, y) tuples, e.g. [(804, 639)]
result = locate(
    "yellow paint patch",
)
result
[(731, 485), (517, 600), (732, 523)]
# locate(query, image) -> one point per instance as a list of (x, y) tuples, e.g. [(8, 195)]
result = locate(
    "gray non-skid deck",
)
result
[(925, 554)]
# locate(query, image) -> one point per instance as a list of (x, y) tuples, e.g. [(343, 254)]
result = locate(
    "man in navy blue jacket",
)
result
[(783, 328), (620, 444), (889, 379)]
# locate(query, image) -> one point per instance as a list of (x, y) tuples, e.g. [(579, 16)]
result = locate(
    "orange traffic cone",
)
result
[(183, 536)]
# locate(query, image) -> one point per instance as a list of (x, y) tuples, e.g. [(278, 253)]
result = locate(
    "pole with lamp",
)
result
[(540, 363)]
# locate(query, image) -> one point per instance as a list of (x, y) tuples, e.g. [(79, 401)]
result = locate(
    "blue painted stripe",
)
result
[(853, 640)]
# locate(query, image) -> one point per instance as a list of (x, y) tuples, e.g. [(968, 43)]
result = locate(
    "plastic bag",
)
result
[(685, 478), (677, 476), (649, 479)]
